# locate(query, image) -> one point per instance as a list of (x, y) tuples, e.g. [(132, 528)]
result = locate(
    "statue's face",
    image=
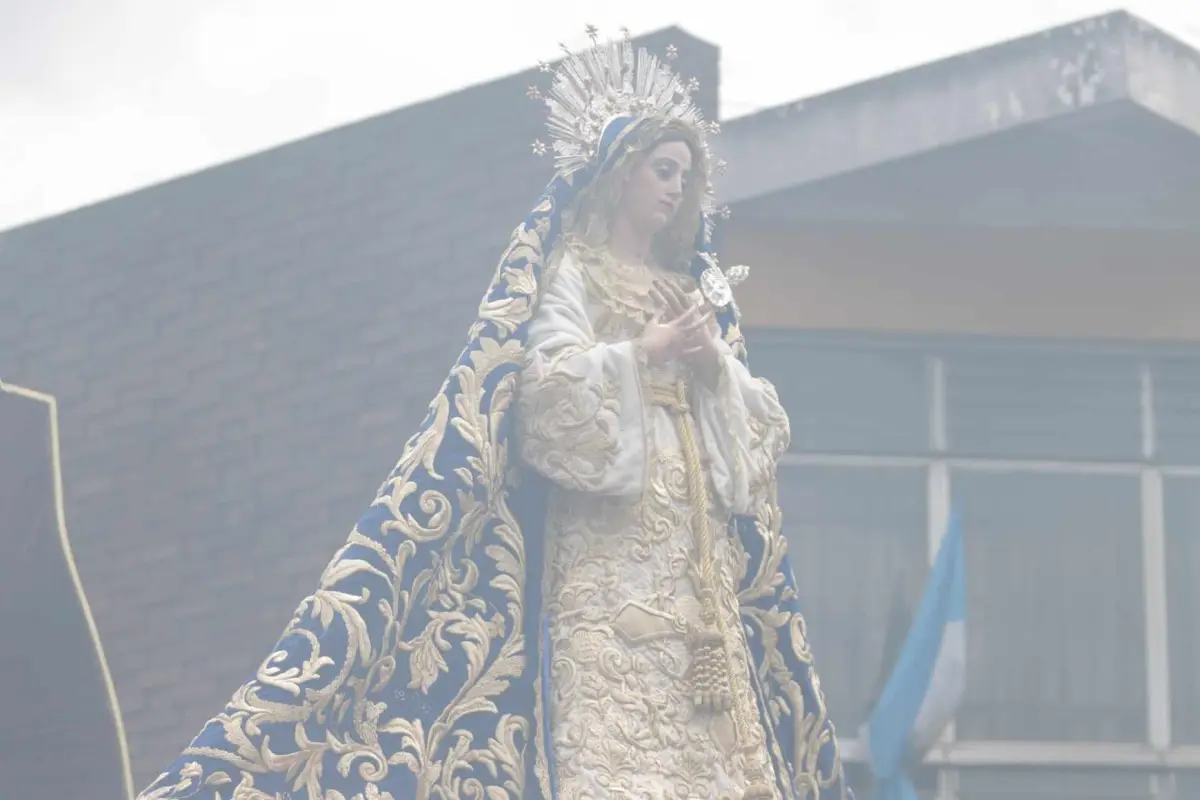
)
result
[(656, 185)]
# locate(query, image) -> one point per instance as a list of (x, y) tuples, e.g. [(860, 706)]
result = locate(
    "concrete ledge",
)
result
[(1039, 78)]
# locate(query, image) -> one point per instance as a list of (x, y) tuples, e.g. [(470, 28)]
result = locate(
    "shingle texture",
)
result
[(60, 739), (239, 356)]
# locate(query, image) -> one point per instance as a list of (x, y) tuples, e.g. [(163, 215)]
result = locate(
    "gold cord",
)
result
[(712, 665)]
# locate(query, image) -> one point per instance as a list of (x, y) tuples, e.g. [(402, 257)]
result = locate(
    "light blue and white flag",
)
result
[(925, 687)]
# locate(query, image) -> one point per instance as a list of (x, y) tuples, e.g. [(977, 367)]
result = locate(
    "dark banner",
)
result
[(60, 730)]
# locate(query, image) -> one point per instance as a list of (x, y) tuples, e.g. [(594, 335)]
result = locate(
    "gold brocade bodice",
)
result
[(622, 290)]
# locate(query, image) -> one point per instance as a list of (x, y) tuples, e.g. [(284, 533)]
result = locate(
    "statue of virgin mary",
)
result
[(574, 583)]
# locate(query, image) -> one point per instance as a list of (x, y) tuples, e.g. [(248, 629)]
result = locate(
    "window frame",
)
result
[(1158, 750)]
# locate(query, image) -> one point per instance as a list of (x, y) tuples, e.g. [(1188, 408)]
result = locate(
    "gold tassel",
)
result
[(757, 787), (758, 791), (711, 685)]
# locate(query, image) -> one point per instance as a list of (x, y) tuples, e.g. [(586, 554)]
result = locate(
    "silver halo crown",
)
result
[(607, 81)]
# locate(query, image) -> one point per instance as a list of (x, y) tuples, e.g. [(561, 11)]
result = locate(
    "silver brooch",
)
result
[(717, 285)]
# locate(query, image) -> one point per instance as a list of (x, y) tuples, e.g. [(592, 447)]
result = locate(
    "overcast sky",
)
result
[(100, 97)]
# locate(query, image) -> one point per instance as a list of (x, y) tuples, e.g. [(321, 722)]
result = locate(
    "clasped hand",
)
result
[(685, 332)]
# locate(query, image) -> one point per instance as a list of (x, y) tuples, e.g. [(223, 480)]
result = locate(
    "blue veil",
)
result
[(413, 670)]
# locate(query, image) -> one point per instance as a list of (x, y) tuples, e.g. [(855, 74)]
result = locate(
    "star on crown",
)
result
[(608, 80)]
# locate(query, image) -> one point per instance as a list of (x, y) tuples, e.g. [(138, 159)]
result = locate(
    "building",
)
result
[(990, 298), (971, 283)]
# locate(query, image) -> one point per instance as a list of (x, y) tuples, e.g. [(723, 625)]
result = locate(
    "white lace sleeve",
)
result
[(580, 408), (745, 431)]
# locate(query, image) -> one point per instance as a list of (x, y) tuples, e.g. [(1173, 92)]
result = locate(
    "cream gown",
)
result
[(622, 596)]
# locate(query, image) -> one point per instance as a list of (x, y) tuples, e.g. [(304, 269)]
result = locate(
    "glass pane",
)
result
[(1055, 622), (1069, 406), (1024, 783), (1187, 785), (857, 542), (1182, 501), (1177, 409), (848, 400), (924, 778)]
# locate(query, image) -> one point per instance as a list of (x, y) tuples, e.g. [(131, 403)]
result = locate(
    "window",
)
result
[(848, 399), (1182, 519), (1054, 599), (1077, 472), (1177, 409), (1185, 785), (925, 781), (1060, 406), (1007, 783), (856, 539)]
